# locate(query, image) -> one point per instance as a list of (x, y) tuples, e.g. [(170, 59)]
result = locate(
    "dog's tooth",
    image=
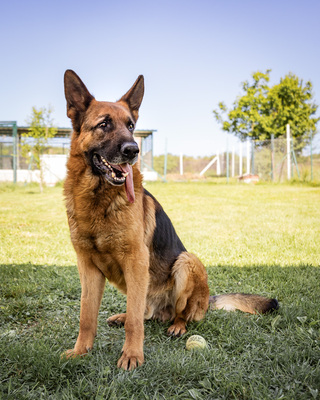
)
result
[(125, 174), (113, 175)]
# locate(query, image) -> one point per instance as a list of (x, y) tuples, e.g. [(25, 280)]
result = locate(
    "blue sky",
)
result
[(193, 54)]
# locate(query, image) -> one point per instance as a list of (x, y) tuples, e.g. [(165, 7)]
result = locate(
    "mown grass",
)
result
[(257, 239)]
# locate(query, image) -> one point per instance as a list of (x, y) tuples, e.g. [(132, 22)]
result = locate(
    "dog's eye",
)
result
[(104, 124), (131, 127)]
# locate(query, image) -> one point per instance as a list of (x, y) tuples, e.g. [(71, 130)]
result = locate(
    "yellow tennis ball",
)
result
[(196, 342)]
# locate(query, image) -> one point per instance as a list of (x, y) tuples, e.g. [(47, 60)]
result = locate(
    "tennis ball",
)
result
[(196, 342)]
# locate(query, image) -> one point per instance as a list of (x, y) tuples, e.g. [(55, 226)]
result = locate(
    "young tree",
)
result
[(263, 110), (41, 128)]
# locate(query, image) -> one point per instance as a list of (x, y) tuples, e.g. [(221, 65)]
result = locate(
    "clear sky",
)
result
[(193, 54)]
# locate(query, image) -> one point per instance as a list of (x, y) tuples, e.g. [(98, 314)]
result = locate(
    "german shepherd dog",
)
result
[(121, 232)]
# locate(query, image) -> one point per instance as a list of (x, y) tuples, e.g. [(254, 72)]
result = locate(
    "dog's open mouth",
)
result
[(116, 174)]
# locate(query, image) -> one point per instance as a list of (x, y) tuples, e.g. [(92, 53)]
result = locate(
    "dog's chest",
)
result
[(100, 236)]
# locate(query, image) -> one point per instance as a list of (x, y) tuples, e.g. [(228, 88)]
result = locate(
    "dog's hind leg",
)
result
[(191, 292)]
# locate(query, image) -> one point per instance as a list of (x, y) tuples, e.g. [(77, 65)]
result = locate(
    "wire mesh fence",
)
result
[(274, 160)]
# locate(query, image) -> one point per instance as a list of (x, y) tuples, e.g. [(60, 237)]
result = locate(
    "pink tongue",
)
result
[(129, 182)]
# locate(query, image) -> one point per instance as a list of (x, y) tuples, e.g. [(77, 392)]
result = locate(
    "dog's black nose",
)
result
[(129, 150)]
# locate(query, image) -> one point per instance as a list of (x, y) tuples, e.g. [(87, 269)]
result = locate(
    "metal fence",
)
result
[(16, 166), (275, 160)]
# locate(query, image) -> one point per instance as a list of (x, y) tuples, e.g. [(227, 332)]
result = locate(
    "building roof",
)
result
[(6, 129)]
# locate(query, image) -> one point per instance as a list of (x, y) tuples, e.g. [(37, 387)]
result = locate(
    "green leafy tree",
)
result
[(41, 128), (263, 110), (290, 102)]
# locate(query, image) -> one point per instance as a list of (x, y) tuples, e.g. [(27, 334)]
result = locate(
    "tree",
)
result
[(290, 102), (263, 110), (41, 128)]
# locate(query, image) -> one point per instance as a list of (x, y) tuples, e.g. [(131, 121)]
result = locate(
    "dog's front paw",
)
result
[(177, 329), (73, 353), (130, 360)]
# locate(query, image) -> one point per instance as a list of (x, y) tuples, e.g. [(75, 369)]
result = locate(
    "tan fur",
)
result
[(249, 303), (114, 238)]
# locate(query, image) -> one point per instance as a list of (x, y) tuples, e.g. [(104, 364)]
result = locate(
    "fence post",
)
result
[(272, 157), (252, 155), (311, 157), (218, 164), (165, 160), (181, 164), (227, 161), (288, 153), (248, 156), (15, 152), (232, 162), (240, 158)]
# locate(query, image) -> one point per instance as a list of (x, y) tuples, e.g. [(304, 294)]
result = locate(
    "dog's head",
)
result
[(104, 130)]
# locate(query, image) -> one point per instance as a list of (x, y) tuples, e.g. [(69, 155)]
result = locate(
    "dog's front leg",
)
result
[(92, 287), (136, 272)]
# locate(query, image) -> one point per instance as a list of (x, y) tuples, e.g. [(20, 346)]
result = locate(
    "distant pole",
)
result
[(218, 164), (232, 163), (252, 155), (165, 159), (15, 150), (288, 153), (227, 162), (181, 164), (311, 158), (240, 158), (248, 156), (272, 157)]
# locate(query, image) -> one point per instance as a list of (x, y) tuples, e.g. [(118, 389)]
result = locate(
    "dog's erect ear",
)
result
[(78, 98), (134, 96)]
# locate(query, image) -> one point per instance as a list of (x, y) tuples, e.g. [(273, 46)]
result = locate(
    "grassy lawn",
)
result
[(256, 239)]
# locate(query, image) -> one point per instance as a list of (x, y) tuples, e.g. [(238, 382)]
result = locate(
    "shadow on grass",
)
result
[(279, 352), (57, 285)]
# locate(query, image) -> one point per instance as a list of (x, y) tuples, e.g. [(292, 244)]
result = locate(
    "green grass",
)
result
[(258, 239)]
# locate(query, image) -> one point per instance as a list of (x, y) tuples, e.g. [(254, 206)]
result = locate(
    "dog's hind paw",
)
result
[(117, 320)]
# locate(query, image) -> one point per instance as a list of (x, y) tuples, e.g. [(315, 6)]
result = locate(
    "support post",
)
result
[(252, 155), (311, 157), (288, 153), (181, 164), (232, 162), (240, 158), (227, 156), (208, 166), (272, 157), (218, 164), (15, 150), (248, 156)]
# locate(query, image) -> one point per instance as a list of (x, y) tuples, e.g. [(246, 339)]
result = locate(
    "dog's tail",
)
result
[(250, 303)]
